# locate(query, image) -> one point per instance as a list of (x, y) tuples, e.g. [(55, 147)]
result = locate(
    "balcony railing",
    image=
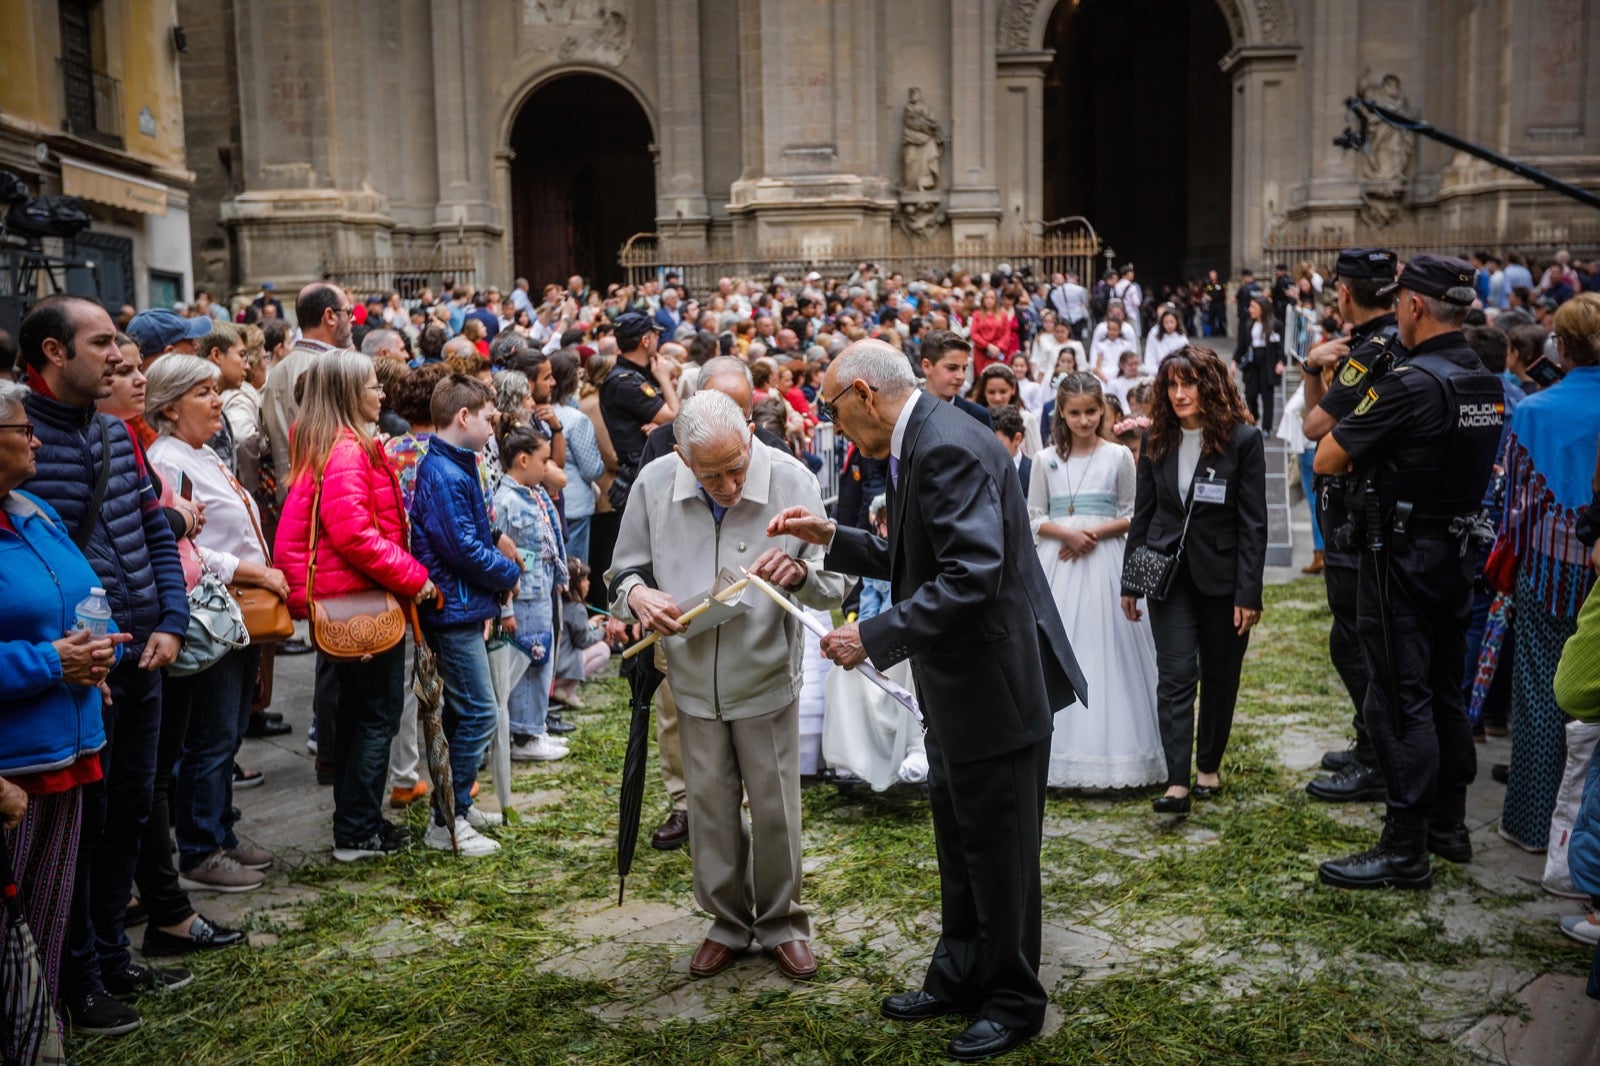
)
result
[(93, 103)]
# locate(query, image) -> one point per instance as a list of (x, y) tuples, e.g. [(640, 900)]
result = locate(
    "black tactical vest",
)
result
[(1446, 476)]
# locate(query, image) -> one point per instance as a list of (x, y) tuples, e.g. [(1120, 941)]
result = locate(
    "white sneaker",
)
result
[(539, 749), (469, 841), (482, 819), (1562, 887), (1582, 928)]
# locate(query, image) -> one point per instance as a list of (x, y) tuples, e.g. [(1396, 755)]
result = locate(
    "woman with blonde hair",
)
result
[(344, 489)]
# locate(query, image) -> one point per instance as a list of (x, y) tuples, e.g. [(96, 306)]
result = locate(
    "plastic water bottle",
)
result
[(94, 613)]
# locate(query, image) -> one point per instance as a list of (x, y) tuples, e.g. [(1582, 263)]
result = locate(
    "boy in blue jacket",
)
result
[(451, 536)]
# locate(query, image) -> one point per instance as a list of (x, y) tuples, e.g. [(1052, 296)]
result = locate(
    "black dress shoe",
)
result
[(294, 647), (1501, 773), (1452, 843), (1399, 861), (203, 936), (916, 1006), (984, 1039), (1171, 804), (1334, 761), (267, 725), (1356, 783), (557, 725), (1206, 792)]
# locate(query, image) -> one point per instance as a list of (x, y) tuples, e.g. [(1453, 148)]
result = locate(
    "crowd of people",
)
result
[(177, 484)]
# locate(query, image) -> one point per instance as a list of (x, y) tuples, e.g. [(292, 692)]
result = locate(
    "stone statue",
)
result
[(921, 144), (1387, 161), (921, 215)]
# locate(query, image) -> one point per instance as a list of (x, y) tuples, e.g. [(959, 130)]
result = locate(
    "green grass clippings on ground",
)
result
[(1208, 940)]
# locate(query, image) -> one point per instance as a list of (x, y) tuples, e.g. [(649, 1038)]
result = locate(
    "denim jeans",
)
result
[(219, 711), (371, 695), (115, 813), (469, 705), (530, 698), (578, 536), (1307, 476)]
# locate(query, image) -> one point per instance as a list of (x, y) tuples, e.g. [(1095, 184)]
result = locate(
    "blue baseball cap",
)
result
[(160, 329)]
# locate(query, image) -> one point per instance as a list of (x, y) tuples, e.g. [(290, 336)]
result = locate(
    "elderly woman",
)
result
[(183, 406), (342, 481), (52, 676), (1548, 484)]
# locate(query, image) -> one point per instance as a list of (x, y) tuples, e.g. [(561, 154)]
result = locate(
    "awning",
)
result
[(106, 186)]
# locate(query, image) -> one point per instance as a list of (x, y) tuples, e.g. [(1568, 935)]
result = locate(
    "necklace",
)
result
[(1072, 490)]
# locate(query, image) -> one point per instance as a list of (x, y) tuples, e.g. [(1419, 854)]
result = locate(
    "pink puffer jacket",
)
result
[(362, 544)]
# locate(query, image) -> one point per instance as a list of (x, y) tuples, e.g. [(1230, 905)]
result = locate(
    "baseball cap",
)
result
[(1444, 277), (159, 329), (1366, 264)]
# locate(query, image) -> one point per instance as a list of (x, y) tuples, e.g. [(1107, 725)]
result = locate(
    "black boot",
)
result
[(1399, 861), (1334, 761), (1356, 783), (1447, 829)]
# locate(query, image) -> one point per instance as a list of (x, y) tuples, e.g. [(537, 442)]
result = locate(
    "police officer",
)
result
[(1356, 364), (635, 397), (1423, 441)]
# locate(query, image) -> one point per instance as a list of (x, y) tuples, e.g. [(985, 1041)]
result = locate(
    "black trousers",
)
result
[(325, 709), (1344, 643), (1414, 711), (1261, 379), (988, 825), (1198, 649), (115, 813)]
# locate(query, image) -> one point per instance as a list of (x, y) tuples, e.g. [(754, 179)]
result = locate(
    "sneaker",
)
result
[(250, 856), (389, 839), (401, 798), (1581, 927), (469, 841), (136, 979), (220, 873), (539, 749), (99, 1014), (1562, 887), (482, 819), (1504, 834), (243, 778), (554, 723)]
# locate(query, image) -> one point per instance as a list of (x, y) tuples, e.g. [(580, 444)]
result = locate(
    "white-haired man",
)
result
[(690, 515)]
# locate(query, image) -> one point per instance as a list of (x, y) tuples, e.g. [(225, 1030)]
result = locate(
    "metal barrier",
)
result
[(825, 446), (406, 275)]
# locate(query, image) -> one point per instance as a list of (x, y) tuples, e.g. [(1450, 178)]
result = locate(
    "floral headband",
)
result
[(1130, 425)]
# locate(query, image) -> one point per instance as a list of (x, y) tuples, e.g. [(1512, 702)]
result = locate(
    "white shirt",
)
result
[(1120, 386), (1188, 459), (1107, 353), (229, 536), (1071, 301), (897, 439), (1158, 345)]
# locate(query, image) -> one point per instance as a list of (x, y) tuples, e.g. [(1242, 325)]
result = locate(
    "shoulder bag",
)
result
[(357, 625), (1150, 573), (266, 615), (216, 627)]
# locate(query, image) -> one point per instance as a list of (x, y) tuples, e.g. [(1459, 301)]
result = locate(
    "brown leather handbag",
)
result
[(357, 625), (266, 614)]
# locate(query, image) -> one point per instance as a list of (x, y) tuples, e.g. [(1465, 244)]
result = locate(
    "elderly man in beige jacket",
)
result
[(737, 685)]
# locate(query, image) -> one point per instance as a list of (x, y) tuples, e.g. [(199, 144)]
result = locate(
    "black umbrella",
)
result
[(643, 680)]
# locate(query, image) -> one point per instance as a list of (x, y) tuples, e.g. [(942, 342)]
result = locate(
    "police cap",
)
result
[(1444, 277), (630, 329), (1365, 264)]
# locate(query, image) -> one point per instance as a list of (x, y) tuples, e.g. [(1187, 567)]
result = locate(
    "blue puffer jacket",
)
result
[(450, 536), (45, 723), (132, 548)]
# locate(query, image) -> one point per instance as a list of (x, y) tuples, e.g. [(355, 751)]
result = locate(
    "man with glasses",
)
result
[(324, 313)]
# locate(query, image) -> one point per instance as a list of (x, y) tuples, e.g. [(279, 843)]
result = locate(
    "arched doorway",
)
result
[(583, 180), (1138, 131)]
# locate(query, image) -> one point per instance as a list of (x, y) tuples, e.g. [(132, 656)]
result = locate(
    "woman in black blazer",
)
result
[(1202, 443)]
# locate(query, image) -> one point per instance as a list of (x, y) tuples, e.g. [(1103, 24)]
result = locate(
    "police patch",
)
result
[(1352, 374), (648, 391), (1367, 402)]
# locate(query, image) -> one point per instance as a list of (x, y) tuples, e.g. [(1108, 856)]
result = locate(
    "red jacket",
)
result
[(362, 544), (997, 329)]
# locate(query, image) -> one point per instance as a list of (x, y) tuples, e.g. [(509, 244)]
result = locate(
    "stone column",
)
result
[(1332, 195), (465, 214), (975, 208), (681, 208), (1020, 123), (1265, 103)]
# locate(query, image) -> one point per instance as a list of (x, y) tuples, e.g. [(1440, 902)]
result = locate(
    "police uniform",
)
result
[(629, 399), (1374, 349), (1423, 441)]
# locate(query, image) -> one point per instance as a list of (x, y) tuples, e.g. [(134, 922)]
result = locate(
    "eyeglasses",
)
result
[(344, 310), (828, 407), (379, 389), (25, 427)]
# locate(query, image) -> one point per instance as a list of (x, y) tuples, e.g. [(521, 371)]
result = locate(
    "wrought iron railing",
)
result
[(93, 103)]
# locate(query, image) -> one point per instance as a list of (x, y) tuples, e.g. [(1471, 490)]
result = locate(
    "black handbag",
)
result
[(1149, 573)]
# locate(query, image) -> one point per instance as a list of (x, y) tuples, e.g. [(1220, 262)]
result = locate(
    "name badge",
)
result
[(1209, 491)]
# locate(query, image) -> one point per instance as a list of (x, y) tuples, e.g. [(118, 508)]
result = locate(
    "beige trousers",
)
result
[(668, 746), (747, 877)]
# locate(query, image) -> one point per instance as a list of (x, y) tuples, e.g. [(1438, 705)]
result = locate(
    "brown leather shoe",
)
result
[(795, 960), (1315, 566), (710, 959), (672, 833)]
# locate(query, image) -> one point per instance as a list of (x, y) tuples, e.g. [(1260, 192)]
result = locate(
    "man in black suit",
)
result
[(944, 369), (991, 660)]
